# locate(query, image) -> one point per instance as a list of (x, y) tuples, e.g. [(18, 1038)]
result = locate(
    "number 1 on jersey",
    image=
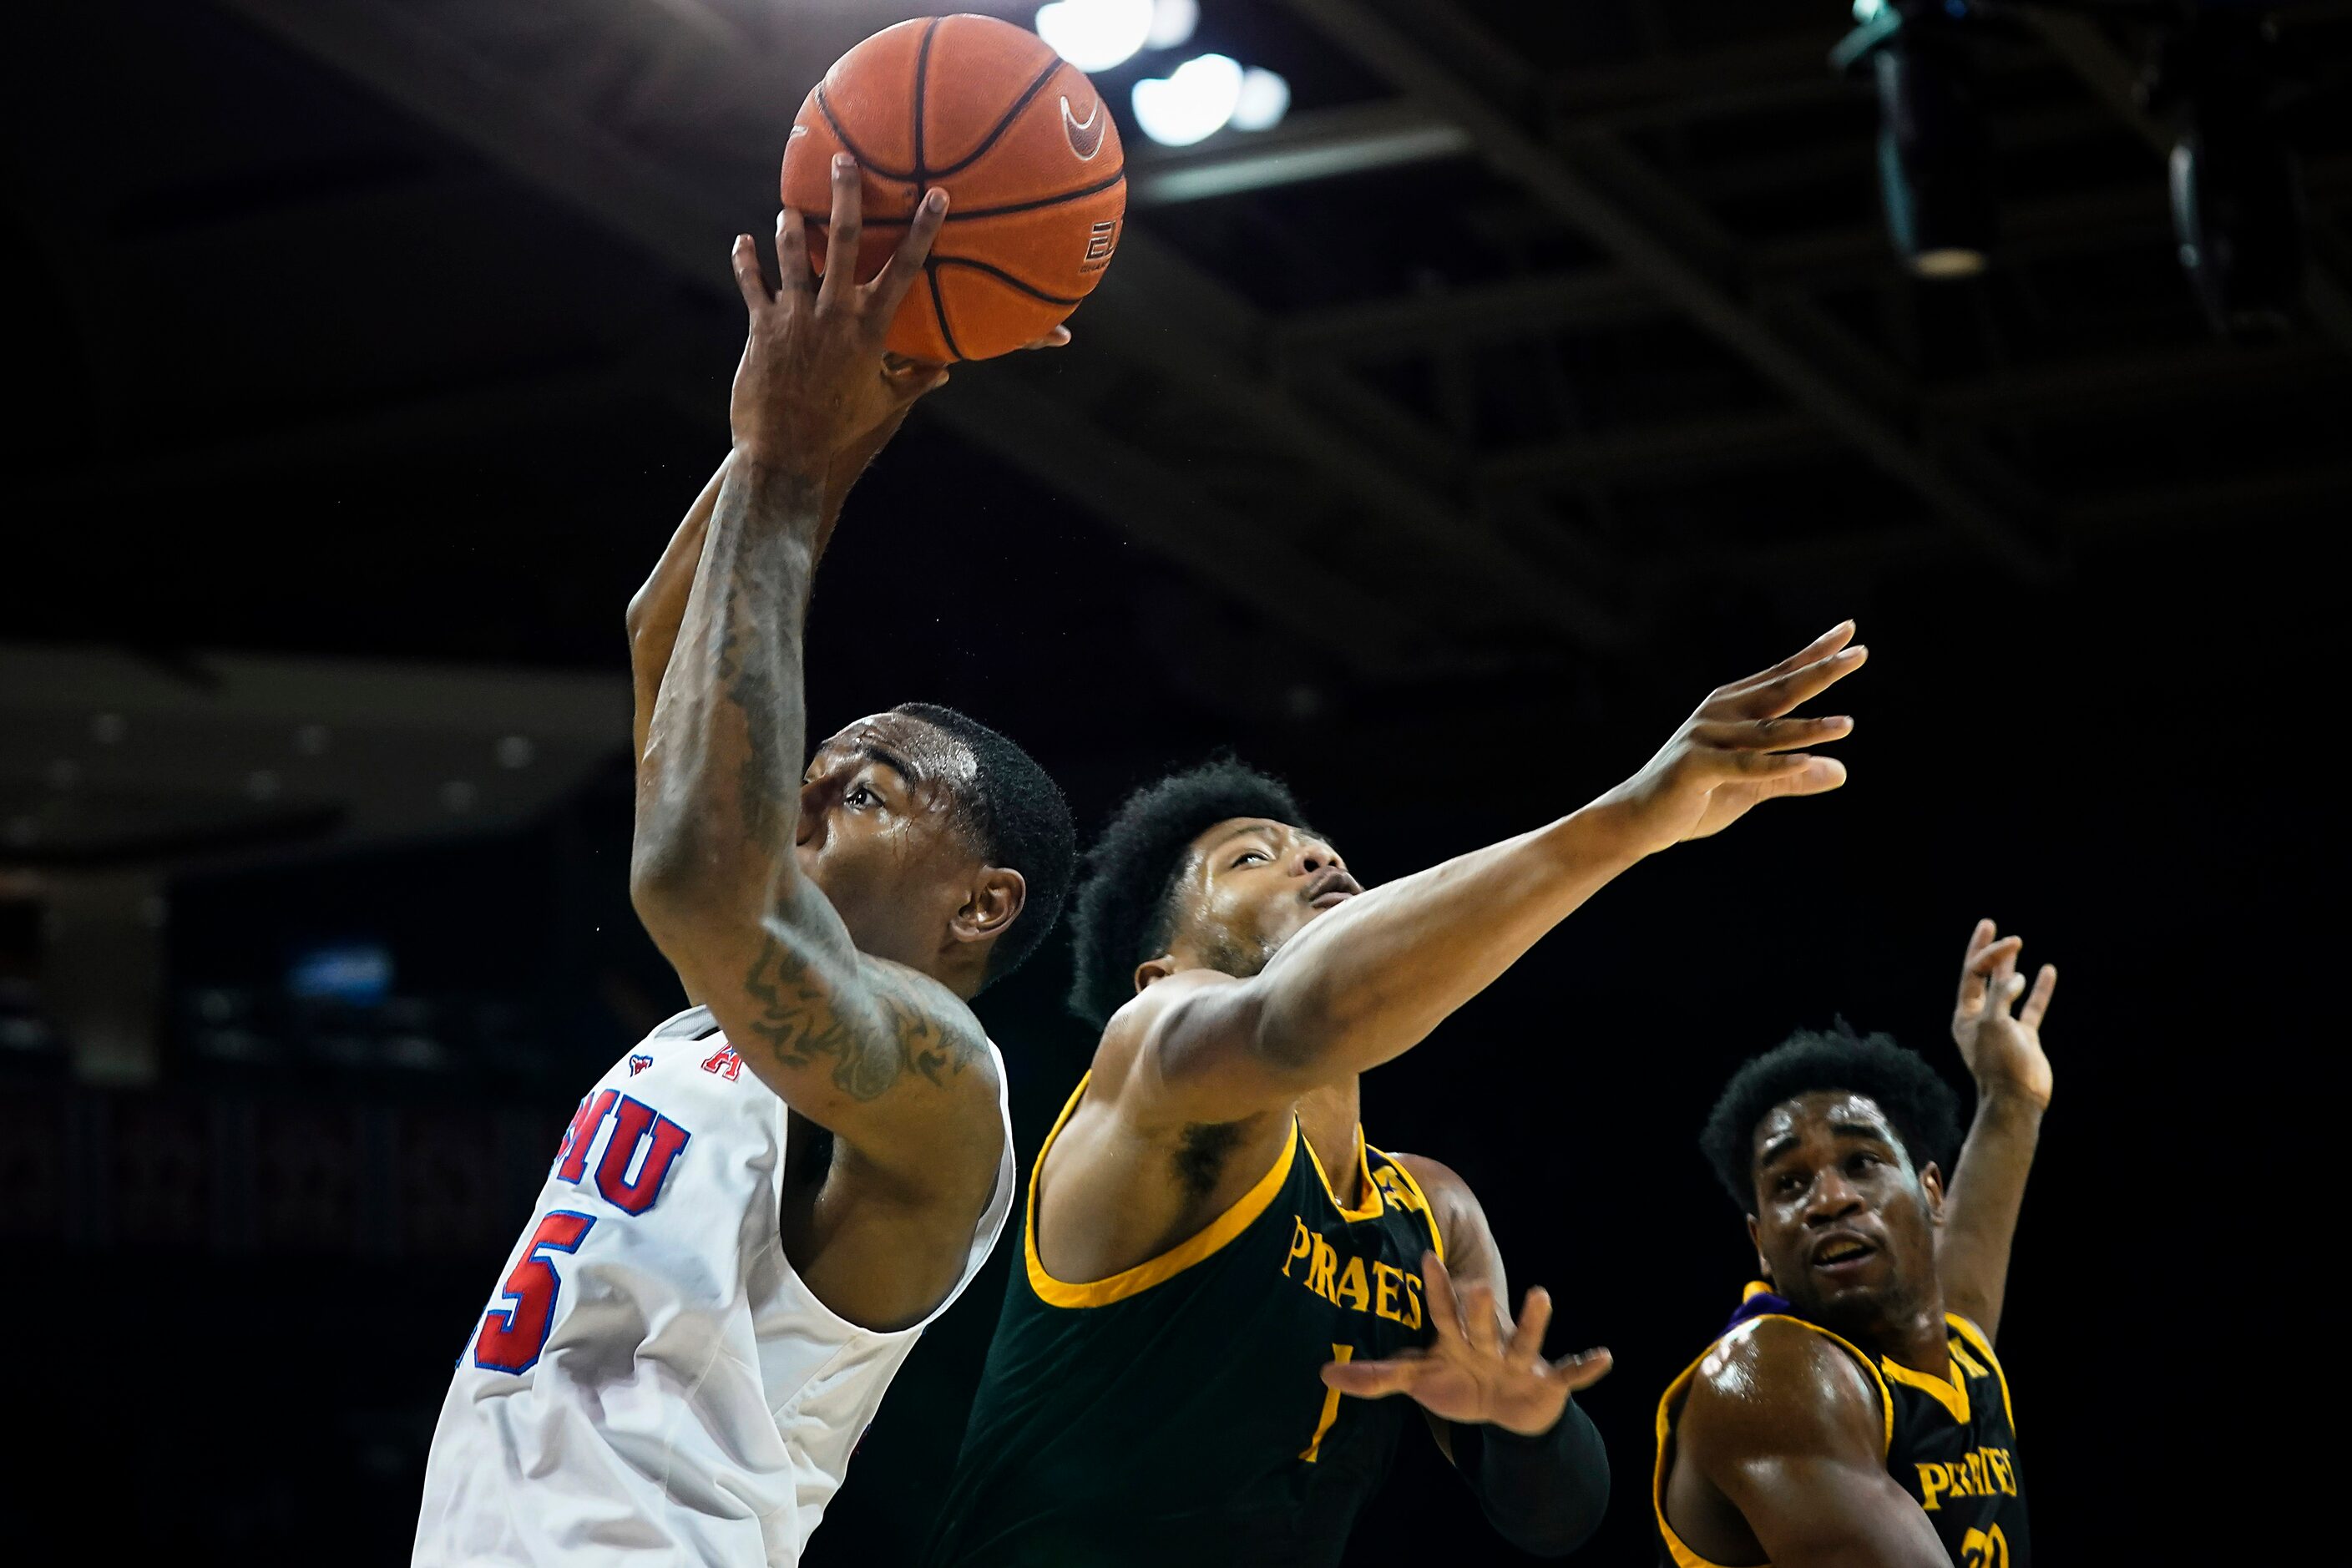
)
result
[(511, 1337), (1330, 1408)]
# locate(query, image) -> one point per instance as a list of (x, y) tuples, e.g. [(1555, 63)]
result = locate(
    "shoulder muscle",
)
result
[(1791, 1430)]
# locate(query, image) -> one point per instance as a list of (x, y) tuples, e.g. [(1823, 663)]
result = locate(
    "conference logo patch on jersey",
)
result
[(1086, 135), (638, 1064), (1399, 1193), (725, 1062)]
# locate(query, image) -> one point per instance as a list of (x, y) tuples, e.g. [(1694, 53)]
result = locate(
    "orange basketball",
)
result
[(1020, 141)]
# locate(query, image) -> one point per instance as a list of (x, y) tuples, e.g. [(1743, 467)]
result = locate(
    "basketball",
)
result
[(1018, 138)]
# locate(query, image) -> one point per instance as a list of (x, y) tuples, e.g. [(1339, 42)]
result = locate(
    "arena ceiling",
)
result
[(1527, 320)]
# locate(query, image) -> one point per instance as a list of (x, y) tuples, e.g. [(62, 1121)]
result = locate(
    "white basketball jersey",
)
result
[(652, 1380)]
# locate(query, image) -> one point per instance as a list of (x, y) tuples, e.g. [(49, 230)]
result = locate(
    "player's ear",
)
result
[(1152, 969), (992, 903), (1762, 1267), (1931, 1182)]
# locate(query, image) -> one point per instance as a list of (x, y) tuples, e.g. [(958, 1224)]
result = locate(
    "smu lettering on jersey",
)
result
[(651, 1374)]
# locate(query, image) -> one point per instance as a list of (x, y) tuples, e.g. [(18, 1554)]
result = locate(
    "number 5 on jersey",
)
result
[(511, 1337)]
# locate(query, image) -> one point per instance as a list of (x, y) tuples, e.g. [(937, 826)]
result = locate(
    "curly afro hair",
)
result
[(1018, 819), (1921, 1107), (1123, 912)]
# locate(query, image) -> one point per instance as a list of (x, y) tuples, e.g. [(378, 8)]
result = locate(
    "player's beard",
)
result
[(1239, 959)]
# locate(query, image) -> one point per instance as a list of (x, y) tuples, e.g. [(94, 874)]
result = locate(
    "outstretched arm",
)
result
[(1782, 1426), (1372, 978), (712, 872), (2003, 1053)]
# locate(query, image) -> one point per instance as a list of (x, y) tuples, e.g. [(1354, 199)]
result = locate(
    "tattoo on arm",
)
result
[(767, 604), (803, 1017)]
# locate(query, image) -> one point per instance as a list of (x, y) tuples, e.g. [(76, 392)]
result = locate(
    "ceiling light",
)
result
[(1191, 102), (1265, 100), (1096, 35), (1935, 161), (1173, 22)]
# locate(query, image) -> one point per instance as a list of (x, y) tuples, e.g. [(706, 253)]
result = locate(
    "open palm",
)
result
[(1479, 1369), (2002, 1050)]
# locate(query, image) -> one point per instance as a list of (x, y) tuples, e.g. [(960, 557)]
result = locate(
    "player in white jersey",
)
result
[(755, 1213)]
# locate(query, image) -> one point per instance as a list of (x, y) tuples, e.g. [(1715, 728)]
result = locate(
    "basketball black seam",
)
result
[(998, 273), (996, 211), (825, 109), (922, 76), (1005, 124), (1096, 189), (940, 310)]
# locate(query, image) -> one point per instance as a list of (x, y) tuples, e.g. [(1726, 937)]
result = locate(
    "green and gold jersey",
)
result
[(1951, 1442), (1176, 1412)]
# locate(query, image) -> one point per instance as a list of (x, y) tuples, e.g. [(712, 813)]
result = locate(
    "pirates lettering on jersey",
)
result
[(1175, 1412), (1950, 1443), (1384, 1290), (1978, 1473)]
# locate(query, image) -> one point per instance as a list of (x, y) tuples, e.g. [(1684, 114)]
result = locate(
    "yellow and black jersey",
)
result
[(1175, 1412), (1949, 1441)]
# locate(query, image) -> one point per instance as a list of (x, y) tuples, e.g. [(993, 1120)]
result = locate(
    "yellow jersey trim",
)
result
[(1152, 1270), (1983, 1347), (1372, 1205), (1668, 1402), (1428, 1210), (1950, 1391)]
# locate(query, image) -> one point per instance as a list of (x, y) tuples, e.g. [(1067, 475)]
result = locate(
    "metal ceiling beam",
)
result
[(2237, 499), (1677, 90), (448, 87), (2094, 384), (1153, 284), (430, 420), (1663, 449), (1315, 145), (1513, 308), (1511, 149), (1183, 521), (1329, 143)]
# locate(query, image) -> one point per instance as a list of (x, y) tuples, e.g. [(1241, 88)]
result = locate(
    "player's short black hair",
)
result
[(1922, 1107), (1123, 911), (1019, 820)]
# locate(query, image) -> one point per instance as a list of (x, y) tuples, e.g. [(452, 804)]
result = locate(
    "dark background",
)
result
[(325, 352)]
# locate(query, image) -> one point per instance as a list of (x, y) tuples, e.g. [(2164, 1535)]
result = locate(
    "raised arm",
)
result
[(1501, 1411), (713, 873), (657, 609), (1785, 1427), (1370, 979), (2003, 1053)]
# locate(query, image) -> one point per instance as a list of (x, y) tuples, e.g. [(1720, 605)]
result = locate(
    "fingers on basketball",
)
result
[(1021, 141)]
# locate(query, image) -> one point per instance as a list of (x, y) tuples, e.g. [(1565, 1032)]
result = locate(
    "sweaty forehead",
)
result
[(1825, 1113), (925, 753)]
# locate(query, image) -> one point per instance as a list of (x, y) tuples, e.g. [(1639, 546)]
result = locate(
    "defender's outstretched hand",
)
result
[(1742, 747), (2003, 1052), (1472, 1375), (812, 376)]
